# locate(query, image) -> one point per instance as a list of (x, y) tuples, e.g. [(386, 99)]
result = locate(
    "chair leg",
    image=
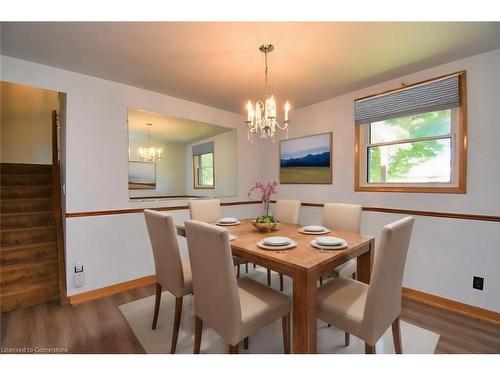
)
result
[(246, 267), (354, 276), (321, 280), (198, 328), (157, 305), (268, 277), (234, 349), (177, 323), (369, 349), (347, 338), (396, 336), (245, 343), (281, 282), (238, 271), (285, 324)]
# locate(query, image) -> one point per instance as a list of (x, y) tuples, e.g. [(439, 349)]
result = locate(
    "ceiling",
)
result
[(218, 64), (169, 129)]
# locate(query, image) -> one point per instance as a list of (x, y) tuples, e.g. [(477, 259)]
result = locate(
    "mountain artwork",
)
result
[(306, 160)]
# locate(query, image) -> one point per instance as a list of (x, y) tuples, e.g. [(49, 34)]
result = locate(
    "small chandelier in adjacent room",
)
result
[(150, 153), (262, 118)]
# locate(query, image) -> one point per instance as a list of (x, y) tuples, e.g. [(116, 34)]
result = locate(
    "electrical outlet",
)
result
[(478, 282), (79, 276)]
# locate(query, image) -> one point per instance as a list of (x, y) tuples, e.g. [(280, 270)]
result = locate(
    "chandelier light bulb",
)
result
[(287, 108), (250, 111)]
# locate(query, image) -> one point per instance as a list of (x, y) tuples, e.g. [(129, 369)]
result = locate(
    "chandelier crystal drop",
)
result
[(263, 118), (150, 153)]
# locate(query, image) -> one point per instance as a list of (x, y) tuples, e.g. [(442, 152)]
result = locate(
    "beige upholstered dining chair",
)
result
[(287, 211), (366, 311), (343, 217), (172, 272), (234, 308), (208, 211)]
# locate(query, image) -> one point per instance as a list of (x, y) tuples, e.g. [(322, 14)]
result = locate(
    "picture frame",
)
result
[(141, 175), (306, 160)]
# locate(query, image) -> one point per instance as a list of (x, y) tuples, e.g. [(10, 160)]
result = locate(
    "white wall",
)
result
[(444, 253), (225, 166), (26, 124), (113, 248), (170, 170)]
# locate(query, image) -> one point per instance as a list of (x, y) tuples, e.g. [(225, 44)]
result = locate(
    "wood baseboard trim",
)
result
[(111, 289), (460, 308)]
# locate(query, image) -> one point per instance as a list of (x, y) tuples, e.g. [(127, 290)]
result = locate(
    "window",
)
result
[(203, 166), (413, 141)]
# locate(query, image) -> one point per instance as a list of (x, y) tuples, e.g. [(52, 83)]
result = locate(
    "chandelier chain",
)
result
[(266, 72)]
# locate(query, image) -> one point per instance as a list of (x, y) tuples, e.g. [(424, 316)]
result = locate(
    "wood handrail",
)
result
[(57, 210)]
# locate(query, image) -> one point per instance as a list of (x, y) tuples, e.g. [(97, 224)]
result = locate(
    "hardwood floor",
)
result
[(459, 334), (99, 327), (92, 327)]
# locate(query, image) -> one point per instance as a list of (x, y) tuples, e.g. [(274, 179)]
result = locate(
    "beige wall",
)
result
[(26, 121)]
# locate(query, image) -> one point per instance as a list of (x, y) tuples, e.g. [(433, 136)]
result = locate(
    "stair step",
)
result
[(25, 205), (29, 293), (27, 253), (28, 271), (13, 192), (25, 179), (24, 236), (16, 168), (26, 220)]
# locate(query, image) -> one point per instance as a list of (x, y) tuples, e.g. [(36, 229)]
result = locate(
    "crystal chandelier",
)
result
[(150, 153), (263, 117)]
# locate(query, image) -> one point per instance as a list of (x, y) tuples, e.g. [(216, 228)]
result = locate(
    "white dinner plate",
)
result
[(314, 228), (228, 224), (336, 247), (262, 245), (324, 231), (329, 240), (276, 241), (228, 220)]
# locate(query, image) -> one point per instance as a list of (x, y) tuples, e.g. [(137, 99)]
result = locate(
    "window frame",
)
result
[(197, 169), (458, 135)]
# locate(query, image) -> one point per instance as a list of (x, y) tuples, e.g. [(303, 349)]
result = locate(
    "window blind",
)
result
[(204, 148), (431, 96)]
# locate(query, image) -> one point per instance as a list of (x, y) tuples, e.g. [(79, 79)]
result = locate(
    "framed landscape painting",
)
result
[(306, 160)]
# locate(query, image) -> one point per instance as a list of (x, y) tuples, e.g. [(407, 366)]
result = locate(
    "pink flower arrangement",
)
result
[(267, 190)]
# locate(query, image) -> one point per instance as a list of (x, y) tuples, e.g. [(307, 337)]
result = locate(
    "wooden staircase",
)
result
[(28, 248)]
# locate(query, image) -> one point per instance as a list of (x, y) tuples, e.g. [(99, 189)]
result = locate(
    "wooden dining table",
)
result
[(304, 264)]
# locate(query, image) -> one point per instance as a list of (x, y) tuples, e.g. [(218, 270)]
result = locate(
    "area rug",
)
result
[(269, 340)]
